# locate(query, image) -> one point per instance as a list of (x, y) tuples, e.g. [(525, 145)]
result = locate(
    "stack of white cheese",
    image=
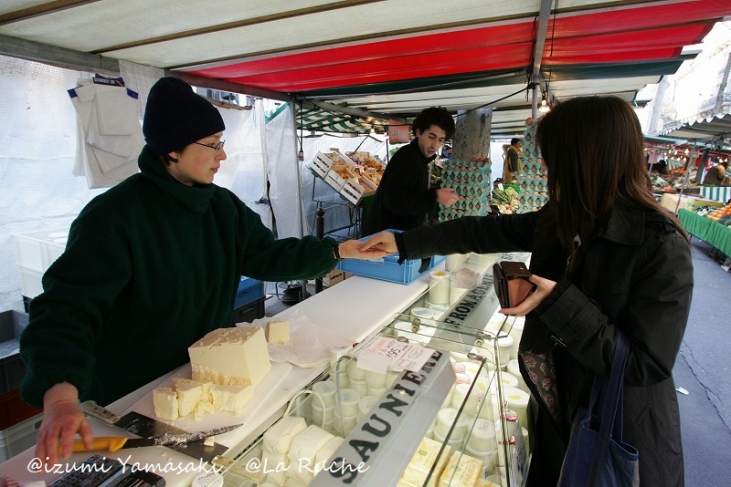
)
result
[(293, 453), (227, 364)]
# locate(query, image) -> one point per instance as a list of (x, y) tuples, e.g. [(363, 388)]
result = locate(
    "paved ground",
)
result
[(702, 368)]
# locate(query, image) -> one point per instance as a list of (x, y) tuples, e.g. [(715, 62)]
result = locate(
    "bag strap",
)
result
[(611, 392)]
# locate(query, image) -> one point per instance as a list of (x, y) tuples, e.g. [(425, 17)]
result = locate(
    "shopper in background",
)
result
[(605, 257), (511, 163), (660, 167), (716, 175), (404, 198), (151, 266)]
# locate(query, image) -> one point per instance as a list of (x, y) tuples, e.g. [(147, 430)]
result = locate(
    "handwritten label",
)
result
[(377, 353)]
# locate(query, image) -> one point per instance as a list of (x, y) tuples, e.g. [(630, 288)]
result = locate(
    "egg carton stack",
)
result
[(533, 183), (471, 180)]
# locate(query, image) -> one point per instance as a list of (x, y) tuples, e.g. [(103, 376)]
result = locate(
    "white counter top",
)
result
[(352, 309)]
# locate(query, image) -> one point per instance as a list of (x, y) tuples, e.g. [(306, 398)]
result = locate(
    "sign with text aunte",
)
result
[(387, 436)]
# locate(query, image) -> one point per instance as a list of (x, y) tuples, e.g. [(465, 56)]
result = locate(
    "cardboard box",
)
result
[(333, 277)]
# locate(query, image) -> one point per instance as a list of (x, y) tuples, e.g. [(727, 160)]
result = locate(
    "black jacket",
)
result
[(403, 198), (637, 276)]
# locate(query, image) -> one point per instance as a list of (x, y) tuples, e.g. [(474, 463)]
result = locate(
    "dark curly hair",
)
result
[(438, 116)]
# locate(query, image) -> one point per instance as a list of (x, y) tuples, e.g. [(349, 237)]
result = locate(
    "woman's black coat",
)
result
[(636, 275)]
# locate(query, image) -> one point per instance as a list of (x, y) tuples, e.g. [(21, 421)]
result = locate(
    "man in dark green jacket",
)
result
[(150, 267)]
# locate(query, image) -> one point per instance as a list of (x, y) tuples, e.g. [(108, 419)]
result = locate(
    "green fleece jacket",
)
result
[(150, 267)]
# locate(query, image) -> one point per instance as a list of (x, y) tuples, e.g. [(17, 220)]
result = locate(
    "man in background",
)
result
[(511, 166), (716, 175), (404, 198)]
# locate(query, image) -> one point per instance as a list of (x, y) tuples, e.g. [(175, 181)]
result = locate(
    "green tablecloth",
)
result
[(707, 230)]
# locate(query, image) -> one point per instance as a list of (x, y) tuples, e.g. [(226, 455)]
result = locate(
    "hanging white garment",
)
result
[(110, 136)]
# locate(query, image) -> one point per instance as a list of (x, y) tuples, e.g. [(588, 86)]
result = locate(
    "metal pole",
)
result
[(319, 233)]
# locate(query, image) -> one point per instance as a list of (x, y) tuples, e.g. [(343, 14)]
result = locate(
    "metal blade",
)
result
[(146, 427), (201, 435), (139, 443)]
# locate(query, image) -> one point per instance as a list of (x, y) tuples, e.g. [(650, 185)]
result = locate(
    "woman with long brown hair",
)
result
[(605, 257)]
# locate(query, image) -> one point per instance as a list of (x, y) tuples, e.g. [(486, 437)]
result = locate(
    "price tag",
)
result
[(377, 353)]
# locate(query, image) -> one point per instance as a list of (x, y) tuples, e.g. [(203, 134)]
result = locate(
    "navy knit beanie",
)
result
[(175, 116)]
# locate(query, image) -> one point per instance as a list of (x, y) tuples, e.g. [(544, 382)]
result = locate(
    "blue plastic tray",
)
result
[(249, 290), (388, 269)]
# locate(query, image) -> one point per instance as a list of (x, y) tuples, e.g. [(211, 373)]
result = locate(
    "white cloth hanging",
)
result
[(110, 135)]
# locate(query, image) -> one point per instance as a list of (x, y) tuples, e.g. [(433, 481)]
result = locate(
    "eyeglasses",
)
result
[(215, 147)]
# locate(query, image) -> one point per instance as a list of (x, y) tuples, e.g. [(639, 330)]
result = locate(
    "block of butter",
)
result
[(461, 471), (278, 332), (426, 455)]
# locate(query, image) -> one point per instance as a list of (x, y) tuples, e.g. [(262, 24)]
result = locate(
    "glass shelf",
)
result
[(448, 421)]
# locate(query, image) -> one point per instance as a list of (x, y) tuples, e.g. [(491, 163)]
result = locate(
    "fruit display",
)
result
[(505, 199), (721, 215)]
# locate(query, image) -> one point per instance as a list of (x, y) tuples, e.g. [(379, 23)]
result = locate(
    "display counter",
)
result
[(707, 230), (353, 310), (675, 202)]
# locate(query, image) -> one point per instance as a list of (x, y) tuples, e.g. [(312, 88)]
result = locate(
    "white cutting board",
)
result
[(219, 419)]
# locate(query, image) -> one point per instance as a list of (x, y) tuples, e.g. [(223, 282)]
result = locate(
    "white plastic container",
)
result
[(326, 391), (482, 436), (488, 457), (355, 372), (347, 402), (375, 379), (377, 391), (454, 261), (365, 405), (344, 423), (393, 374), (508, 380), (359, 385), (439, 284), (448, 416), (505, 345), (514, 369), (471, 401), (511, 421), (39, 249), (321, 415), (516, 332), (455, 441), (517, 400)]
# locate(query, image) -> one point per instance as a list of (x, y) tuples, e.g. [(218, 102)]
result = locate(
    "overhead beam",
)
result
[(43, 9), (57, 56), (240, 23), (95, 63), (216, 84), (356, 112)]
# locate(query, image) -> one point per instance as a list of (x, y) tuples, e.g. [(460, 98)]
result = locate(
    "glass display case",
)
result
[(455, 420)]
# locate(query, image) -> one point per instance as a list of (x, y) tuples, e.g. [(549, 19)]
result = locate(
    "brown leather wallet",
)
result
[(511, 283)]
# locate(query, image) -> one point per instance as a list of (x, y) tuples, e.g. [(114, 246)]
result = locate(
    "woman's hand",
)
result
[(355, 249), (544, 287), (62, 419), (383, 241)]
